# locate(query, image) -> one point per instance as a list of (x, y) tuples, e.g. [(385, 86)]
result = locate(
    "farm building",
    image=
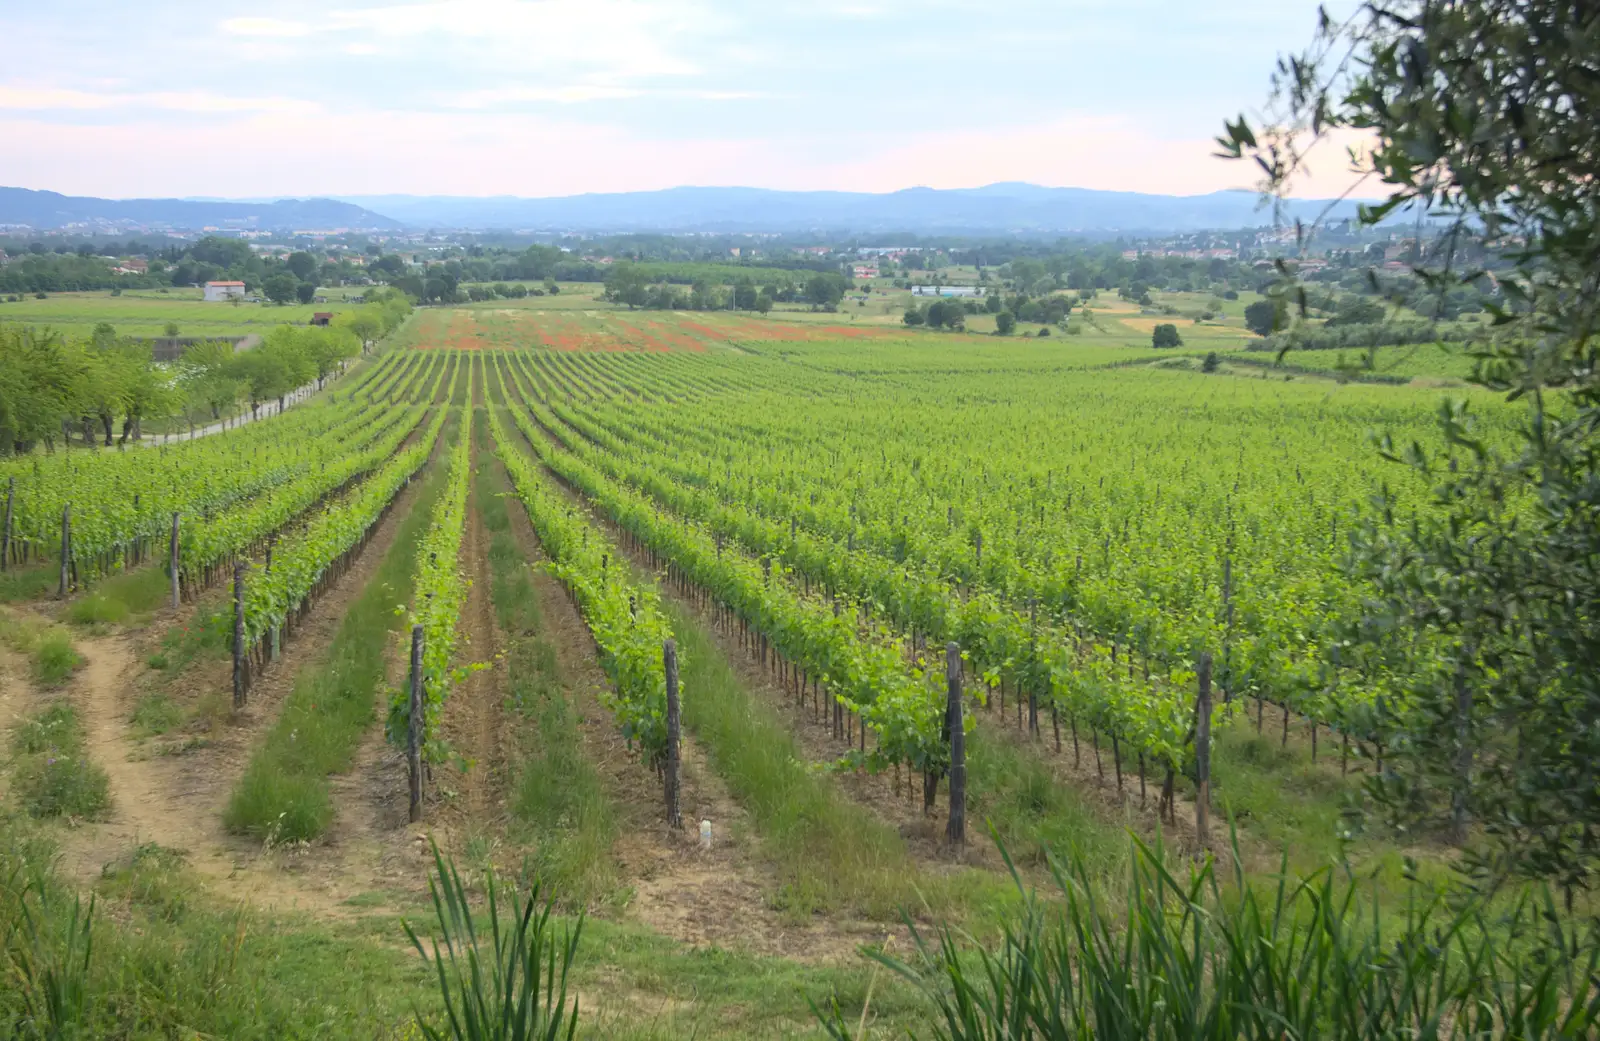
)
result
[(945, 291), (219, 291), (322, 318)]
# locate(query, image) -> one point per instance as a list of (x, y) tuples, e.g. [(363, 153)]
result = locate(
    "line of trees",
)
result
[(103, 387), (31, 268), (637, 286)]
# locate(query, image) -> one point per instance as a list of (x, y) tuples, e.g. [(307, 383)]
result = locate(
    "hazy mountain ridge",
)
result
[(997, 208), (44, 210)]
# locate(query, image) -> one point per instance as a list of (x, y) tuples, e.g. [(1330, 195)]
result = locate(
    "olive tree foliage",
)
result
[(1482, 620)]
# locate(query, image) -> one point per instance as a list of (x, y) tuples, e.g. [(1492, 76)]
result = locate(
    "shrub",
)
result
[(156, 714), (1165, 335), (55, 659), (1211, 363)]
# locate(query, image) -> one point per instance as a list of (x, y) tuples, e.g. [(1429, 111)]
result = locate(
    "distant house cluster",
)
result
[(864, 270), (1189, 254)]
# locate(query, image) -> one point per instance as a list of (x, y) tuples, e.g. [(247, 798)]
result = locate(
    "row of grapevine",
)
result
[(323, 548), (859, 667), (626, 619), (437, 600), (1171, 569), (205, 549), (120, 499), (1042, 659)]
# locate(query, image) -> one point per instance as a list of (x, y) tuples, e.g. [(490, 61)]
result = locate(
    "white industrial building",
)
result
[(219, 291)]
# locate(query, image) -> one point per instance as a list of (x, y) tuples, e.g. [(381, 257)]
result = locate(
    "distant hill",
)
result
[(996, 209), (50, 210)]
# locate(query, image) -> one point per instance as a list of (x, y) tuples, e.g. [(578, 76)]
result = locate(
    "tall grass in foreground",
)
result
[(509, 984), (284, 793), (1189, 959)]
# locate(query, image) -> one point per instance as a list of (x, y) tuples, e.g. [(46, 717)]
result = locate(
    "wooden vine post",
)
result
[(1227, 637), (414, 727), (272, 630), (173, 552), (5, 534), (1033, 667), (66, 549), (239, 665), (669, 659), (956, 833), (1202, 751)]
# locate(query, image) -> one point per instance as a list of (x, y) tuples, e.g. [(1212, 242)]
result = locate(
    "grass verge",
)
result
[(51, 773), (284, 793), (33, 582), (121, 598)]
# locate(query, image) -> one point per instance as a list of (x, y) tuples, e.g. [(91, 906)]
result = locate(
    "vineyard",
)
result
[(772, 627)]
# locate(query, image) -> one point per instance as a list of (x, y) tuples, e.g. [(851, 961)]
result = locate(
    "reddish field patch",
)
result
[(488, 328)]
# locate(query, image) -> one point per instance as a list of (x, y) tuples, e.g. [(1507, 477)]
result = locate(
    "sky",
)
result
[(559, 97)]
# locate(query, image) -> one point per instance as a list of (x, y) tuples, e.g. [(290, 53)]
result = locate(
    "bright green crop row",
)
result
[(1164, 510), (1079, 677), (625, 618), (117, 496), (303, 561), (438, 597)]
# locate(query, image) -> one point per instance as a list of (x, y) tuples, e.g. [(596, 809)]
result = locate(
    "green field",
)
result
[(146, 312)]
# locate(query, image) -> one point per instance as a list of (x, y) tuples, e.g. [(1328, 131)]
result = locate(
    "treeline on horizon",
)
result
[(680, 274)]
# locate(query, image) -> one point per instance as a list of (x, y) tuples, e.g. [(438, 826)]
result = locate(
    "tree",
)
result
[(365, 325), (305, 292), (626, 283), (914, 316), (1482, 614), (302, 265), (825, 290), (763, 302), (279, 288), (204, 376), (328, 348), (993, 304), (1005, 323), (1264, 317), (1165, 335)]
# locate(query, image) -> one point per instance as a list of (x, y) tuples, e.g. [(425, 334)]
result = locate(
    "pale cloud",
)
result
[(498, 153), (480, 96), (630, 39), (576, 93), (45, 99), (264, 27)]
